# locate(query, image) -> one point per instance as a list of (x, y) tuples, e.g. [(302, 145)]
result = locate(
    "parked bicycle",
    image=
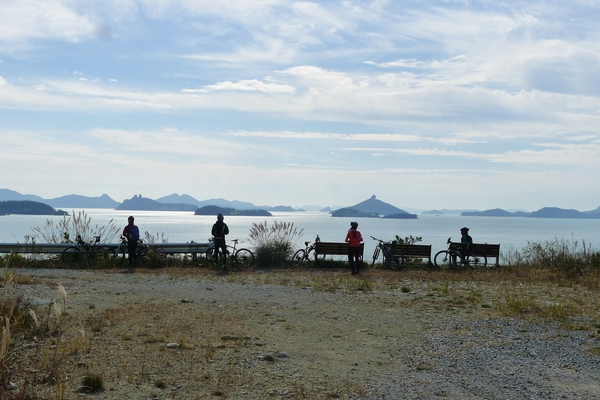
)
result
[(141, 251), (91, 250), (453, 257), (390, 259), (306, 254), (240, 258)]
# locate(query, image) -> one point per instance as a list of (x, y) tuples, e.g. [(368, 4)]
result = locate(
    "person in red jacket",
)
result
[(354, 239)]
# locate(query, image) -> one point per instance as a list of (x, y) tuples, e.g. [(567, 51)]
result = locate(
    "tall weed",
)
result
[(273, 245), (568, 258), (67, 229)]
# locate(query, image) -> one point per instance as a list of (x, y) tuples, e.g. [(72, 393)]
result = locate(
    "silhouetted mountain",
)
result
[(78, 201), (178, 199), (240, 205), (554, 212), (433, 212), (353, 212), (546, 212), (311, 207), (139, 203), (280, 209), (372, 208), (71, 201), (27, 207), (7, 194), (496, 212)]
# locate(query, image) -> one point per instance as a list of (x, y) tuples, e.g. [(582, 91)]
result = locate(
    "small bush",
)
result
[(92, 383), (273, 245)]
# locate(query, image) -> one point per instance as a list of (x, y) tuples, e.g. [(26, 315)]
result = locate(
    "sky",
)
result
[(425, 104)]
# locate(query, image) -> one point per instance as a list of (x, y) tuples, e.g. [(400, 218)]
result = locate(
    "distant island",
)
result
[(546, 212), (139, 203), (370, 208), (26, 207), (373, 208), (215, 210)]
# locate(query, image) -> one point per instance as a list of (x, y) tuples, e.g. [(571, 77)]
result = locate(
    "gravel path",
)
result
[(373, 345)]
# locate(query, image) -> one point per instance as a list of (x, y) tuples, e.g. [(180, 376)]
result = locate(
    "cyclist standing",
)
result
[(468, 240), (354, 239), (132, 233), (219, 231)]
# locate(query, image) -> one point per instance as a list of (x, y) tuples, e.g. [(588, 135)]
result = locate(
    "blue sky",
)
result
[(426, 104)]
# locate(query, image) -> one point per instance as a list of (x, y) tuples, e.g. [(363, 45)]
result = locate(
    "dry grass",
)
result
[(57, 353)]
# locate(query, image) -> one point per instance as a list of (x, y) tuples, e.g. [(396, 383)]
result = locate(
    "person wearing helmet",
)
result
[(132, 233), (219, 231), (468, 240), (354, 239)]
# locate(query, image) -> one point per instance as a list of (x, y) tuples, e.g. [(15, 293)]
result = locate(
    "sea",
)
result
[(512, 233)]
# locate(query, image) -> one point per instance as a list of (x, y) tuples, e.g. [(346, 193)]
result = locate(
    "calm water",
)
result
[(185, 227)]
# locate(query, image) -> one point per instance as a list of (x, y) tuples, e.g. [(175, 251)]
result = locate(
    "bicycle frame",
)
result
[(304, 254), (389, 258), (454, 257)]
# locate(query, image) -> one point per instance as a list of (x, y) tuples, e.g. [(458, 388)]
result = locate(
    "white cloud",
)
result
[(23, 20), (245, 85)]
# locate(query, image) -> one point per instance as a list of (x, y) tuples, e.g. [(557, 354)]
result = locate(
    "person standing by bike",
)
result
[(354, 239), (219, 231), (132, 233), (468, 242)]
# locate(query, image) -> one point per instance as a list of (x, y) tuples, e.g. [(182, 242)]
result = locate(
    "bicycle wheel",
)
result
[(71, 254), (311, 255), (475, 261), (444, 259), (298, 257), (393, 261), (375, 256), (243, 258)]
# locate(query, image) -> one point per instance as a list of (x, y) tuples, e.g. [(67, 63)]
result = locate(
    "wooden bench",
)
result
[(334, 249), (421, 251), (482, 249)]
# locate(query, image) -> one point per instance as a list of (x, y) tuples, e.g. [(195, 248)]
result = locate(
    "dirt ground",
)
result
[(152, 335)]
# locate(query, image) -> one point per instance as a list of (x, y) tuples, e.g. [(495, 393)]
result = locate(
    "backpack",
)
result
[(134, 231)]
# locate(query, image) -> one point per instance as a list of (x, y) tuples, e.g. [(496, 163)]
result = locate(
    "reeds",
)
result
[(274, 245), (67, 229)]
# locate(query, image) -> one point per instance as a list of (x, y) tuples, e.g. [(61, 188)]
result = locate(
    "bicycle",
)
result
[(453, 258), (93, 250), (240, 258), (307, 253), (141, 251), (390, 259)]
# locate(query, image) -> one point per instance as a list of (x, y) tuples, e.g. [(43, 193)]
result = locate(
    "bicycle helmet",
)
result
[(464, 229), (220, 217)]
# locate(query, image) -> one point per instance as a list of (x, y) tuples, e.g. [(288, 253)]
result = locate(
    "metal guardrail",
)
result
[(37, 248), (58, 248)]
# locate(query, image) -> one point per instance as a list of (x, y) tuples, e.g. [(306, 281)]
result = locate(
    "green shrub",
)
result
[(409, 239), (565, 257), (273, 245)]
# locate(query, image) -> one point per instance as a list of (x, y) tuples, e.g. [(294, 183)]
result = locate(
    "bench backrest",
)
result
[(334, 248), (482, 249), (413, 250)]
